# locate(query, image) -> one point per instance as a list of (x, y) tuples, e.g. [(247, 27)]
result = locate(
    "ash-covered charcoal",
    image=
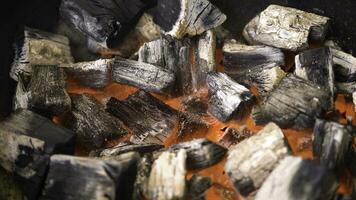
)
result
[(233, 136), (295, 102), (72, 177), (143, 75), (286, 28), (22, 95), (187, 17), (10, 188), (250, 162), (197, 186), (25, 122), (167, 177), (128, 147), (92, 124), (189, 123), (346, 88), (25, 157), (150, 120), (35, 47), (94, 74), (345, 69), (316, 65), (227, 98), (105, 22), (47, 90), (241, 56), (331, 142), (297, 179), (143, 174), (201, 153)]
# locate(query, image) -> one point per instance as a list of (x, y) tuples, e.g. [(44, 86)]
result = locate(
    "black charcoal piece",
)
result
[(150, 120), (316, 65), (143, 75), (345, 66), (143, 174), (187, 17), (167, 177), (285, 28), (201, 153), (331, 142), (106, 22), (295, 102), (72, 177), (241, 56), (25, 122), (47, 90), (36, 47), (25, 157), (128, 147), (233, 136), (197, 186), (297, 179), (92, 124), (227, 98), (250, 162), (94, 74)]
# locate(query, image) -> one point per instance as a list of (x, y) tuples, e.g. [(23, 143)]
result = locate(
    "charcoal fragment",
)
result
[(129, 147), (345, 66), (143, 173), (197, 186)]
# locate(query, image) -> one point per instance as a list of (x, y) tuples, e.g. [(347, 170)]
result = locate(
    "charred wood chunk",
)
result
[(345, 69), (331, 142), (250, 162), (94, 74), (233, 136), (142, 75), (150, 120), (297, 179), (143, 174), (227, 98), (25, 157), (57, 139), (197, 186), (47, 90), (22, 95), (106, 22), (9, 187), (129, 147), (346, 88), (201, 153), (285, 28), (295, 102), (92, 124), (35, 47), (186, 17), (72, 177), (316, 65), (167, 177)]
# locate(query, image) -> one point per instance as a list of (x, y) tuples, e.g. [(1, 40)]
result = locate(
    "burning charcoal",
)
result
[(22, 95), (47, 90), (297, 179), (9, 187), (24, 156), (294, 102), (197, 187), (128, 147), (233, 136), (57, 139), (142, 75), (240, 56), (167, 177), (331, 142), (316, 65), (227, 98), (94, 74), (201, 153), (345, 69), (92, 124), (72, 177), (250, 162), (187, 17), (285, 28), (189, 123), (150, 120), (143, 173), (105, 22), (37, 47)]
